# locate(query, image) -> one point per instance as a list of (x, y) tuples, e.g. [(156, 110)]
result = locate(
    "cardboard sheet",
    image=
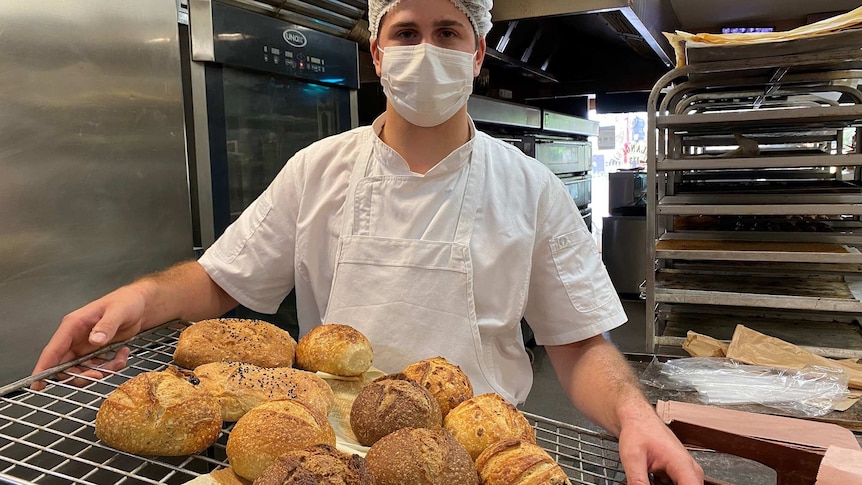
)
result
[(840, 466), (800, 433), (679, 39)]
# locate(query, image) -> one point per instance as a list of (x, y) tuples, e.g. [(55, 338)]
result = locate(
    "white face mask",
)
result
[(426, 84)]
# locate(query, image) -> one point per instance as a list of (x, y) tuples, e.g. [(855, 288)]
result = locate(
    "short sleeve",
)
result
[(253, 261), (570, 297)]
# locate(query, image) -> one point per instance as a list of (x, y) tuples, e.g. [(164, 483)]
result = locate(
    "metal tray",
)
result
[(49, 436)]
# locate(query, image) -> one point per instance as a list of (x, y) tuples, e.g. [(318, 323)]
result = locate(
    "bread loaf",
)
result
[(317, 465), (271, 430), (483, 420), (335, 349), (420, 456), (518, 462), (239, 387), (449, 385), (159, 413), (234, 340), (390, 403)]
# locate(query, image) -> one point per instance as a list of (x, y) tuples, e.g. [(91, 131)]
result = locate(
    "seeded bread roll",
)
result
[(483, 420), (449, 385), (239, 387), (518, 462), (159, 413), (318, 465), (234, 340), (335, 349), (271, 430), (390, 403), (420, 456)]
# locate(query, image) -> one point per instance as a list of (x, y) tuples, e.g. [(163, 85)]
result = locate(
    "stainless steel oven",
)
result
[(258, 89)]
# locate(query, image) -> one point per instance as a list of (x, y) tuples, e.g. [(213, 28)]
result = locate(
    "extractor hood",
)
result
[(568, 47)]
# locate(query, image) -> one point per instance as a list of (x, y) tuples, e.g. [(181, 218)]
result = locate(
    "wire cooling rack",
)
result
[(48, 436)]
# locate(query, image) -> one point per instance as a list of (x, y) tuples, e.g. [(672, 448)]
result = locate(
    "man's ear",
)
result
[(376, 56), (480, 57)]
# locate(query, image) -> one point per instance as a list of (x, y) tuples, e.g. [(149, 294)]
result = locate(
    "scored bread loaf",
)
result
[(239, 387), (271, 430), (159, 413), (449, 385), (420, 456), (234, 340), (389, 403), (485, 419), (518, 462), (335, 349), (317, 465)]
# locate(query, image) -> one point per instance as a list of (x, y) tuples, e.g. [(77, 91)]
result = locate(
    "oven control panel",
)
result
[(247, 39)]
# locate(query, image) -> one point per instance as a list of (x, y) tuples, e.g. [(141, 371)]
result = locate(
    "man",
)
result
[(428, 236)]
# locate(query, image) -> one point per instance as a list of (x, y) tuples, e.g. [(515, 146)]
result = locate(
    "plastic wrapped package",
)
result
[(812, 391)]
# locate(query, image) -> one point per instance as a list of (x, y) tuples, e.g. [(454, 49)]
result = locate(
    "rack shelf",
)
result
[(774, 225)]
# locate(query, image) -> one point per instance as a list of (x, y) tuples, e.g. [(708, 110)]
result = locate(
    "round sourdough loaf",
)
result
[(518, 462), (335, 349), (485, 419), (390, 403), (271, 430), (449, 385), (234, 340), (239, 387), (420, 456), (159, 413), (317, 465)]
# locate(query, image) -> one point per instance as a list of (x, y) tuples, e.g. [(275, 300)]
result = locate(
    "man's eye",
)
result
[(448, 34), (405, 34)]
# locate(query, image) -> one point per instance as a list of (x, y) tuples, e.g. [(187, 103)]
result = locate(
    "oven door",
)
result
[(580, 189), (564, 157), (257, 90)]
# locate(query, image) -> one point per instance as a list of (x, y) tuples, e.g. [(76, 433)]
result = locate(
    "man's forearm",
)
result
[(183, 291), (599, 382)]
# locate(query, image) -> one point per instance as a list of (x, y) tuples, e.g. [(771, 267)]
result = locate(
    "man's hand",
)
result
[(648, 446), (184, 291), (113, 318), (601, 385)]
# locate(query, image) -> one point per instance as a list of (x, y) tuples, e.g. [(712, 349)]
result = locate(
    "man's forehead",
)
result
[(438, 22)]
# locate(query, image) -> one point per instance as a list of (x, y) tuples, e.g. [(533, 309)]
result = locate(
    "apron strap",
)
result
[(360, 169), (470, 202)]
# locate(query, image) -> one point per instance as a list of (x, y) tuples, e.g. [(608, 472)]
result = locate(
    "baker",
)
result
[(428, 236)]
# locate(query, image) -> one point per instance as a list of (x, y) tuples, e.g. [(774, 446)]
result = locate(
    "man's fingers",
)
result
[(635, 466), (684, 473), (105, 329), (93, 369)]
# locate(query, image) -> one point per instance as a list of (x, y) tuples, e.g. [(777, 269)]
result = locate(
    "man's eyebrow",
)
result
[(437, 23)]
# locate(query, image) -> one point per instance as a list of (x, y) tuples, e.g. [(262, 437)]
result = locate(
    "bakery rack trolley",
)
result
[(48, 437), (754, 210)]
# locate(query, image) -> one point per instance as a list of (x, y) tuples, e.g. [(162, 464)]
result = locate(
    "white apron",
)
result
[(413, 299)]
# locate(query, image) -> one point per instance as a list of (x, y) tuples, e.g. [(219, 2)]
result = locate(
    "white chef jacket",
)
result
[(532, 254)]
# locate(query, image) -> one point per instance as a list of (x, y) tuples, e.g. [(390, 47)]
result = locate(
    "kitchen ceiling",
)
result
[(702, 14)]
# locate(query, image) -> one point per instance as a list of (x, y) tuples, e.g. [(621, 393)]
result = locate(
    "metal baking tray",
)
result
[(48, 436)]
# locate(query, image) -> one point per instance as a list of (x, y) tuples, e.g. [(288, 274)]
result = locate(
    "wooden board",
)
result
[(724, 245), (808, 286)]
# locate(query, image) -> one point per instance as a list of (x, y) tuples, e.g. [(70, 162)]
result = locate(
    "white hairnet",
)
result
[(478, 11)]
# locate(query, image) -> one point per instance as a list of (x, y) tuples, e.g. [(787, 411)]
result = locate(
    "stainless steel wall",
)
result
[(93, 182)]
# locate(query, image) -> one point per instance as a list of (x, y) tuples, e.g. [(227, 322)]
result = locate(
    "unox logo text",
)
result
[(294, 38)]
